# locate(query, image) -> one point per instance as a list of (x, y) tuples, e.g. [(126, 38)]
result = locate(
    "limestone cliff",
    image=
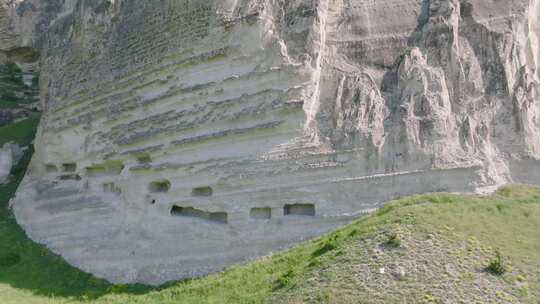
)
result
[(181, 136)]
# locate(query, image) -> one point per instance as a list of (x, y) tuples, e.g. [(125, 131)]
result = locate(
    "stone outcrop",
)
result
[(6, 162), (10, 155), (182, 136), (18, 28)]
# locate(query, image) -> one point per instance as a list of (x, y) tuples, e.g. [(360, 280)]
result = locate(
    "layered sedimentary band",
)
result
[(182, 136)]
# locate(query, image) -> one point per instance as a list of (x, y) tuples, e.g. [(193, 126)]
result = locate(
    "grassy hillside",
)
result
[(21, 132), (423, 249)]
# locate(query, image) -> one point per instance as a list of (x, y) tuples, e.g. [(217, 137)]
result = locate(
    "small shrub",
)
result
[(9, 96), (315, 262), (328, 245), (284, 280), (353, 233), (393, 241), (13, 68), (35, 81), (117, 289), (10, 259), (497, 266), (14, 73)]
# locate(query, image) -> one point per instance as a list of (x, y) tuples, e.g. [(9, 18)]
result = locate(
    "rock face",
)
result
[(6, 162), (10, 155), (18, 22), (182, 136)]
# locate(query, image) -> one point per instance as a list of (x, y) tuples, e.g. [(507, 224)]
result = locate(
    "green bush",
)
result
[(497, 266), (286, 280), (35, 81), (393, 241), (8, 96), (328, 245), (14, 73), (121, 288), (13, 68), (10, 259)]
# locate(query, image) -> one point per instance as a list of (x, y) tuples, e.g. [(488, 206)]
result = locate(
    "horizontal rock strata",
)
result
[(182, 136)]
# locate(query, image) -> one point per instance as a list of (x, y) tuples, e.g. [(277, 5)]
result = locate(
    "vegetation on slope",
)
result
[(432, 248), (12, 84), (436, 248), (21, 132)]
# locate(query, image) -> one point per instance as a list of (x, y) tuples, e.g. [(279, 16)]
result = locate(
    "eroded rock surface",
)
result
[(6, 162), (10, 155), (182, 136)]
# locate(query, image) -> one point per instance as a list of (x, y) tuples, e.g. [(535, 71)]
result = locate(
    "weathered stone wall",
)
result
[(24, 26), (181, 136)]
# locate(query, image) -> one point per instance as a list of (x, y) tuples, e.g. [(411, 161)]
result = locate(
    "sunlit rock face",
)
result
[(20, 23), (15, 31), (183, 136)]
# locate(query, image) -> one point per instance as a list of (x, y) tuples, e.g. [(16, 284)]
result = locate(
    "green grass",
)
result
[(6, 104), (508, 221), (21, 132), (393, 241), (497, 265), (39, 275)]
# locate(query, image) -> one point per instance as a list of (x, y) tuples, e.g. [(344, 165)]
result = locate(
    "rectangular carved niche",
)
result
[(263, 213), (161, 186), (190, 212), (65, 177), (106, 168), (202, 191), (51, 168), (69, 167), (299, 209)]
